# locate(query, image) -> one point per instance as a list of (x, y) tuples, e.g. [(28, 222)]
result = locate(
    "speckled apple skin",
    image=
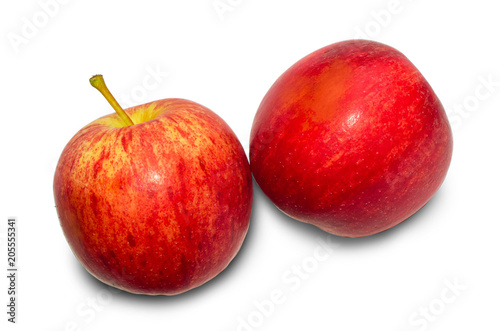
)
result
[(351, 139), (159, 207)]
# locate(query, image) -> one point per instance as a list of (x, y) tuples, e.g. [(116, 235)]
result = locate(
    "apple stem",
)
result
[(97, 81)]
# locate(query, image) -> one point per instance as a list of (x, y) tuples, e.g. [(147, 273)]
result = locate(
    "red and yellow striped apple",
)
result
[(351, 139), (156, 199)]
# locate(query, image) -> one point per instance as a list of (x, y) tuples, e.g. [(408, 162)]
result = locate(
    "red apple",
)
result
[(158, 207), (351, 139)]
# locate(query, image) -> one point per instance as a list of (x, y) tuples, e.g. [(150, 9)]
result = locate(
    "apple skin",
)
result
[(351, 139), (159, 207)]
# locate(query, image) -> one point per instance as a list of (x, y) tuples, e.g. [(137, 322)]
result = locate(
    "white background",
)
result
[(436, 271)]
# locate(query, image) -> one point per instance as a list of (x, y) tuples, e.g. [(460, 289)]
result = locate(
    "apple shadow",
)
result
[(232, 268), (260, 200), (355, 243)]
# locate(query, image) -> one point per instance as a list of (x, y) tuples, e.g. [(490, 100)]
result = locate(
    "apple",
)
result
[(156, 199), (351, 139)]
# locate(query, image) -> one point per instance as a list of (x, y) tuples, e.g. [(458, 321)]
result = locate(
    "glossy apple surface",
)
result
[(351, 139), (159, 207)]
